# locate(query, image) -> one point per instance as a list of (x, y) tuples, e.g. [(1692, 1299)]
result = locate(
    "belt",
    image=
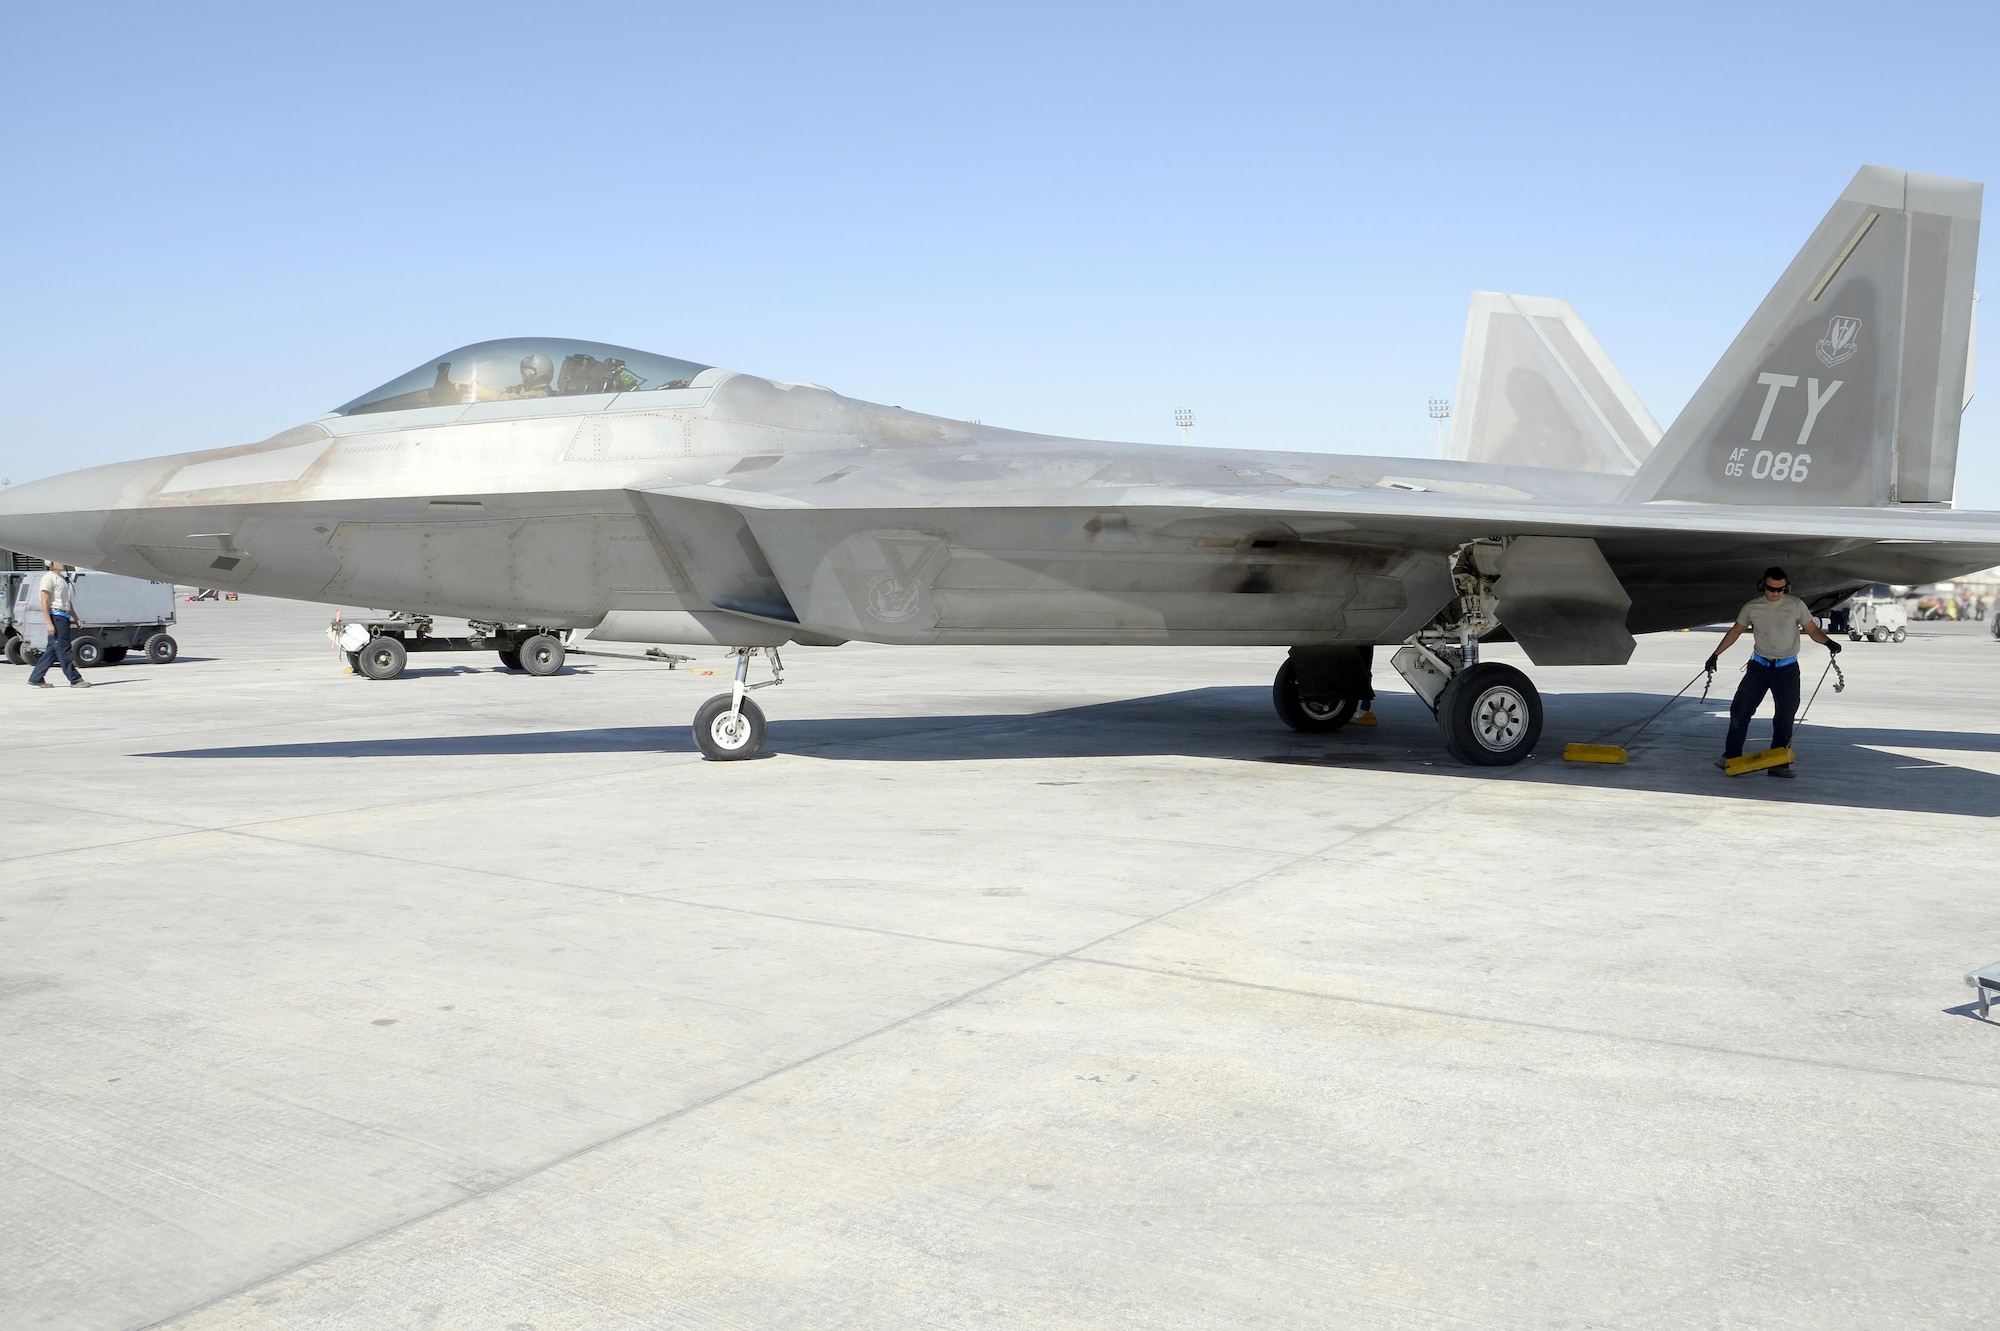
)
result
[(1767, 661)]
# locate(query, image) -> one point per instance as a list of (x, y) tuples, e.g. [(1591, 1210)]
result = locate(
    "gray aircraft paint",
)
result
[(1536, 388), (1856, 361), (741, 511)]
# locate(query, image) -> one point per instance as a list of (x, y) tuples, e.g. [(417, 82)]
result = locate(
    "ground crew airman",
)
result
[(1775, 620)]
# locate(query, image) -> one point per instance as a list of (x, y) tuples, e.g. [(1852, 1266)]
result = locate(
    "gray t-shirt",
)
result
[(1775, 625)]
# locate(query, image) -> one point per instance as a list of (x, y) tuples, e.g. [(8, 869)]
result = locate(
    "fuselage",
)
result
[(572, 511)]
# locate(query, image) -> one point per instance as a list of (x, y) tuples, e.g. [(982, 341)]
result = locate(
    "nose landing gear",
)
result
[(730, 726)]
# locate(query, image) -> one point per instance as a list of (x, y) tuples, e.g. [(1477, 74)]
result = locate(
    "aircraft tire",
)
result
[(542, 654), (30, 653), (1491, 715), (14, 650), (510, 658), (1319, 716), (383, 658), (161, 649), (725, 737)]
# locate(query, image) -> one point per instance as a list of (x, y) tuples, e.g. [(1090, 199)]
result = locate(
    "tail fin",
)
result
[(1846, 385), (1537, 390)]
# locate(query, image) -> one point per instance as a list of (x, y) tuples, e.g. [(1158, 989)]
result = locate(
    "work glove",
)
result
[(1833, 646), (1710, 664)]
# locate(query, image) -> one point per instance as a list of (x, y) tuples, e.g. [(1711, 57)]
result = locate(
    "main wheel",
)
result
[(161, 649), (383, 658), (13, 650), (1314, 716), (510, 658), (725, 735), (113, 655), (1491, 715), (542, 654)]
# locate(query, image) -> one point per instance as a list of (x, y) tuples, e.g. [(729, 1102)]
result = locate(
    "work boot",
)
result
[(40, 684), (1723, 763), (1785, 771), (81, 684)]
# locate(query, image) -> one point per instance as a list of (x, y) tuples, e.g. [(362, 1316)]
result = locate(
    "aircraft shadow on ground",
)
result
[(1838, 766)]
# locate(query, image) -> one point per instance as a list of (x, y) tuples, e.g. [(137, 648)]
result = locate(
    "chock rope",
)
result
[(1618, 753)]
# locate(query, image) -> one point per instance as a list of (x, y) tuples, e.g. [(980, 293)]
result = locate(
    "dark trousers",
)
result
[(56, 652), (1782, 683)]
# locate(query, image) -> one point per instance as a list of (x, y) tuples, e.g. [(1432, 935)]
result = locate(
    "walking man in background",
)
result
[(62, 621), (1775, 620)]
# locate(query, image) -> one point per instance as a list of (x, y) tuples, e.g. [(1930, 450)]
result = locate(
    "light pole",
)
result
[(1184, 417), (1440, 408)]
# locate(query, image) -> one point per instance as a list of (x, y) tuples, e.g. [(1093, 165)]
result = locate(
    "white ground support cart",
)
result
[(118, 614), (1877, 618)]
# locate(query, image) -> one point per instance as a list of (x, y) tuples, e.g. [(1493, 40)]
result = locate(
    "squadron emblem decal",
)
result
[(898, 595), (1842, 340)]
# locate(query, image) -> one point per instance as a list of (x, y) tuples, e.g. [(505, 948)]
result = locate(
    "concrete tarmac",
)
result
[(1015, 988)]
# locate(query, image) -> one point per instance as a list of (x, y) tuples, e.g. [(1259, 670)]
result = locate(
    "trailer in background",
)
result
[(118, 614)]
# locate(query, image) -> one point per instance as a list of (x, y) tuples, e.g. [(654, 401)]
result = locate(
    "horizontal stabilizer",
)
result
[(1536, 389)]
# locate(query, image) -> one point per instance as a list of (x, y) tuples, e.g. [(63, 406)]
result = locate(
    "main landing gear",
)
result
[(1489, 714), (730, 726)]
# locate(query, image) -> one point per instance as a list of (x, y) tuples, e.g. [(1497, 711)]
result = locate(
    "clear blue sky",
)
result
[(219, 222)]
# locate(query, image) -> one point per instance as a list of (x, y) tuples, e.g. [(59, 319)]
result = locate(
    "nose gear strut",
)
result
[(730, 726)]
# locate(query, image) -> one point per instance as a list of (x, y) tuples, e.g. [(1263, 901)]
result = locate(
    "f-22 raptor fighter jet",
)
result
[(574, 485)]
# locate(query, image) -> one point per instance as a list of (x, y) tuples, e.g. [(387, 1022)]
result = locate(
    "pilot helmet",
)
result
[(537, 370)]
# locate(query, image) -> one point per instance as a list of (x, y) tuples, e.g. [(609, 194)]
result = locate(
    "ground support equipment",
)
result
[(1620, 753), (380, 648)]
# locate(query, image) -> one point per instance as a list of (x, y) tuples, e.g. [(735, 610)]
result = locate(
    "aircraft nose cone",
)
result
[(64, 516)]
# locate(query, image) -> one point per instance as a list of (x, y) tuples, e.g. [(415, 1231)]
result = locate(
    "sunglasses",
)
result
[(1769, 588)]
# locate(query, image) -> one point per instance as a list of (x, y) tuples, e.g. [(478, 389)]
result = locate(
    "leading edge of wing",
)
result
[(1330, 510)]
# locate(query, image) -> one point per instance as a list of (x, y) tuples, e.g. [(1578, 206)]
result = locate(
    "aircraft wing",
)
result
[(808, 553)]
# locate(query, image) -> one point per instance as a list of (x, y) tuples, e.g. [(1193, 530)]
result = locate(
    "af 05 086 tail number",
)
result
[(1793, 463)]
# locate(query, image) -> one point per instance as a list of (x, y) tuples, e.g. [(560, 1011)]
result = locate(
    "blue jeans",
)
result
[(1782, 683), (56, 652)]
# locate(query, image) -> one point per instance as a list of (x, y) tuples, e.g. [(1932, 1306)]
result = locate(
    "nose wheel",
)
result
[(730, 726)]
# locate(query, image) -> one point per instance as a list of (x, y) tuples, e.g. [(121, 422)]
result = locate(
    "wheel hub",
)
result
[(1498, 718), (731, 730)]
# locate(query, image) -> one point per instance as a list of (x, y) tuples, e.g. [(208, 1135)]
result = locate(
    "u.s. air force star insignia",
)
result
[(1842, 340)]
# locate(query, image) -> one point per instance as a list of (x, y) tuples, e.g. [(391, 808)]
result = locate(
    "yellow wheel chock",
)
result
[(1758, 761)]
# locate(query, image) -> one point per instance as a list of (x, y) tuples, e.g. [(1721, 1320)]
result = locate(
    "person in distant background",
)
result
[(62, 621)]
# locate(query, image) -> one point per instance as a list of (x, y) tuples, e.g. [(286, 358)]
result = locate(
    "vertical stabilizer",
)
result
[(1535, 389), (1846, 385)]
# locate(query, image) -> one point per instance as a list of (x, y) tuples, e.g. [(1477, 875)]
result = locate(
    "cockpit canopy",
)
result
[(517, 369)]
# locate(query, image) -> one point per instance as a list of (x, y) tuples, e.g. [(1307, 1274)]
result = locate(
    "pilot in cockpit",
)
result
[(538, 377)]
